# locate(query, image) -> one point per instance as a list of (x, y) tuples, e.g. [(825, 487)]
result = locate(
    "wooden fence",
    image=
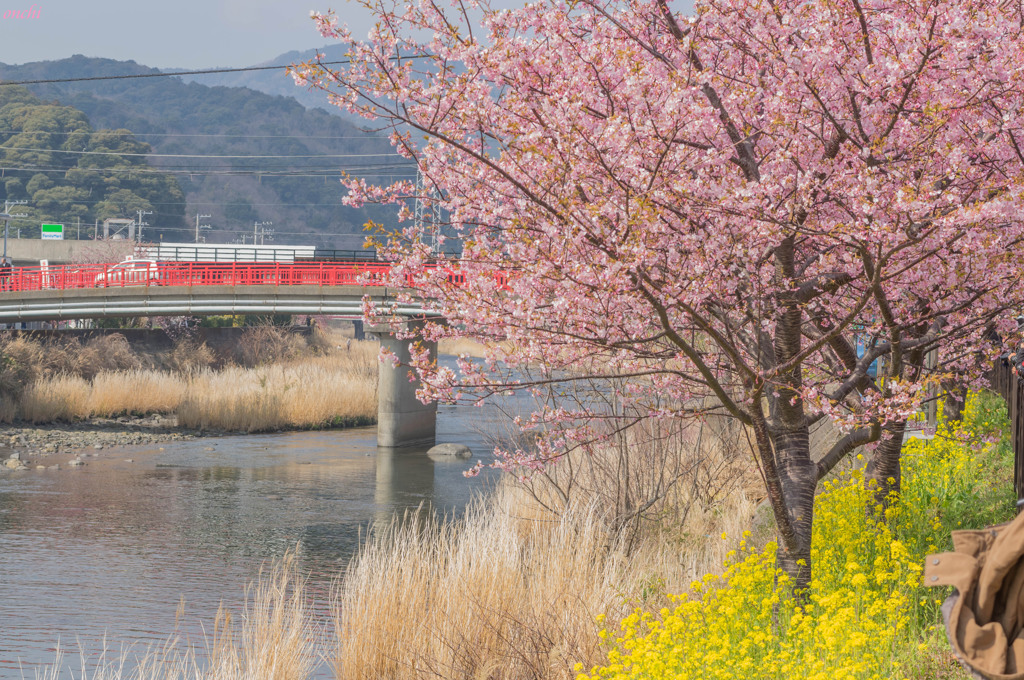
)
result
[(1011, 388)]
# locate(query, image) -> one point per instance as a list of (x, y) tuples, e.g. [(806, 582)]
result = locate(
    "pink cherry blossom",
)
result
[(707, 209)]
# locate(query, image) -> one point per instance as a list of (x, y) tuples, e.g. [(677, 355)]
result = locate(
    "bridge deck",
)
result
[(55, 305), (194, 289)]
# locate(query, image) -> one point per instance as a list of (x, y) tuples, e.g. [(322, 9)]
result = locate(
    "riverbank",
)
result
[(59, 393), (59, 443)]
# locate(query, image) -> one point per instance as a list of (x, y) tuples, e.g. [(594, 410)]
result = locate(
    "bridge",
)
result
[(148, 288)]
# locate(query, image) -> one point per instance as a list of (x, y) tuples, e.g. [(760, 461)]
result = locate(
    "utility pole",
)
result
[(259, 230), (7, 217), (141, 224), (200, 226)]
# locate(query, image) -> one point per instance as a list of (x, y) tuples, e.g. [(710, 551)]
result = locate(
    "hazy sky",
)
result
[(191, 34), (165, 34)]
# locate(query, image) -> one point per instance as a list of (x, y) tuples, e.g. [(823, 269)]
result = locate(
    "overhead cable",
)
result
[(192, 155), (162, 74)]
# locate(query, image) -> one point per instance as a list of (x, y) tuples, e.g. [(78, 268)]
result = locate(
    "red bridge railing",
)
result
[(149, 273)]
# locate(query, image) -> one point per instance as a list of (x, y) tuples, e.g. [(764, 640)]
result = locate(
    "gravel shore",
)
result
[(34, 442)]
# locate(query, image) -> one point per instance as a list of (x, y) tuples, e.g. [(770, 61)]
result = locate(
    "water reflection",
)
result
[(110, 550)]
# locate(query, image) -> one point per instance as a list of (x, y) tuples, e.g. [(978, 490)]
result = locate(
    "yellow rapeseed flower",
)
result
[(865, 604)]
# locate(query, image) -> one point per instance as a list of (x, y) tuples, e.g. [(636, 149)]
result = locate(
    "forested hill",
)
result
[(70, 173), (198, 133)]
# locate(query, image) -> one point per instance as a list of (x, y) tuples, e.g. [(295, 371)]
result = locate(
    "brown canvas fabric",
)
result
[(985, 614)]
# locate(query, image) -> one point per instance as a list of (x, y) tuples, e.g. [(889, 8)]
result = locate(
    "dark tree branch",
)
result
[(864, 435)]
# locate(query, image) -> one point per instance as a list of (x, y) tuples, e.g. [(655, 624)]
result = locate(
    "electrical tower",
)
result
[(428, 214)]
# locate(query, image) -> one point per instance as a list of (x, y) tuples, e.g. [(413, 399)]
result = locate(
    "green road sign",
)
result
[(53, 232)]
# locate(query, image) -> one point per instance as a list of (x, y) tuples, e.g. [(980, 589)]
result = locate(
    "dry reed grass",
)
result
[(318, 391), (277, 638), (267, 344), (29, 359), (69, 397), (189, 356), (137, 392), (512, 589), (62, 397), (103, 353), (473, 599)]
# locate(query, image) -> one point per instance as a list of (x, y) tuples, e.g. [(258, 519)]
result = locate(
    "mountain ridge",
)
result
[(214, 128)]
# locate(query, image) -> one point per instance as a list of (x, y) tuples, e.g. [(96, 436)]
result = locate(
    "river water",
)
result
[(109, 555)]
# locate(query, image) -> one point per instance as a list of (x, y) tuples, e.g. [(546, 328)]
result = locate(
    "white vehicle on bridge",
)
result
[(131, 272)]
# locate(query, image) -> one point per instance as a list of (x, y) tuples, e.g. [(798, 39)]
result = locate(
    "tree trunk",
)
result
[(798, 478), (797, 473), (954, 402), (882, 474)]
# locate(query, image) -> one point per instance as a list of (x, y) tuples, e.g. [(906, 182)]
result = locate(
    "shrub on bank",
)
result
[(29, 359), (868, 615)]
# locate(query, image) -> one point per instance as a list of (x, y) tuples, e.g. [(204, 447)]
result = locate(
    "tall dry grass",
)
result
[(317, 391), (136, 392), (480, 598), (512, 590), (62, 397), (69, 397), (462, 346), (26, 359)]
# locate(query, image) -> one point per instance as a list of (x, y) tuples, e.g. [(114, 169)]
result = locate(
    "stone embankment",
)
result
[(37, 445)]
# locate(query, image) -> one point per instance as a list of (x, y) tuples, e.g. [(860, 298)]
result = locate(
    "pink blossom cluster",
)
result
[(718, 207)]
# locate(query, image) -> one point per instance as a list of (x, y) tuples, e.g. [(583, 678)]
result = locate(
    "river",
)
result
[(102, 557)]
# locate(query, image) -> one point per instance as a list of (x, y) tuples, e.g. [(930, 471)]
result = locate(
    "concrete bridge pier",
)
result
[(401, 419)]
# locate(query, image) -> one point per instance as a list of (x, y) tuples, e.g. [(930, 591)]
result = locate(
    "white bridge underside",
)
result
[(95, 303)]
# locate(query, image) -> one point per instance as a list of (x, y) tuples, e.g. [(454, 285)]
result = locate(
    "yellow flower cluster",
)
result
[(866, 607)]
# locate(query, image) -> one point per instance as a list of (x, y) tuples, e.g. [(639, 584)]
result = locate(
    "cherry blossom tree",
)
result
[(733, 212)]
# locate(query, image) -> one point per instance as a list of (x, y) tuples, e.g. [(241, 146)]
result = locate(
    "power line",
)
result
[(129, 133), (239, 172), (189, 73), (192, 155), (225, 203), (326, 164)]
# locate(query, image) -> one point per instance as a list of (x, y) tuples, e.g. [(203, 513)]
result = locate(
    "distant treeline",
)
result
[(297, 189), (70, 173)]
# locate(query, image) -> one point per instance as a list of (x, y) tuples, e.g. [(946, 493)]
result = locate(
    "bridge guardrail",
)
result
[(76, 277), (153, 273)]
